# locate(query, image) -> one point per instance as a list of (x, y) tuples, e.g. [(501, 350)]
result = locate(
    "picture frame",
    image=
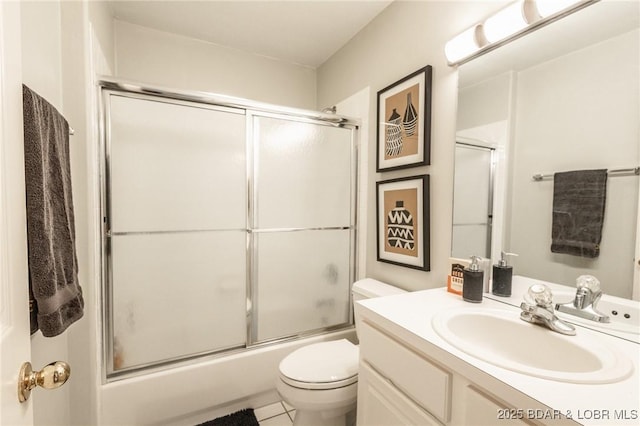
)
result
[(403, 219), (404, 122)]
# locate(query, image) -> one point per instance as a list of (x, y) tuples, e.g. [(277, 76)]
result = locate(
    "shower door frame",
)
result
[(250, 109)]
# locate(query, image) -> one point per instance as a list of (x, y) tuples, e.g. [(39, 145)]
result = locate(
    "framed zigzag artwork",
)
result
[(404, 122), (402, 211)]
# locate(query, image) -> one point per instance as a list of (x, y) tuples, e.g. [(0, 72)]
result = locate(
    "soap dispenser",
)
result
[(502, 274), (472, 283)]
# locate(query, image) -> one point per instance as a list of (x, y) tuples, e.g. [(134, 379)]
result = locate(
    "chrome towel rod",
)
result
[(629, 171), (71, 131)]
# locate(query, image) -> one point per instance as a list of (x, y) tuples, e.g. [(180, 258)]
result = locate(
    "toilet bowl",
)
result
[(321, 380)]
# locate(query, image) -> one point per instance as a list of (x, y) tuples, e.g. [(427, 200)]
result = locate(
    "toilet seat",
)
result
[(321, 366), (319, 386)]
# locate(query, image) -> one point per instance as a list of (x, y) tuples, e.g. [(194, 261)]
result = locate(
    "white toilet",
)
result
[(321, 380)]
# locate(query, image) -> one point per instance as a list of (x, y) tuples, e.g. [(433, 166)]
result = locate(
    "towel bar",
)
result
[(615, 172)]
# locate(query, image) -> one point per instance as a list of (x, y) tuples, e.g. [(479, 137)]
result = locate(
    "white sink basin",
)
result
[(501, 338)]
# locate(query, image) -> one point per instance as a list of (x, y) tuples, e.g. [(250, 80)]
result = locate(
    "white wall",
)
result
[(485, 102), (102, 37), (598, 129), (354, 106), (178, 62), (81, 48), (405, 37)]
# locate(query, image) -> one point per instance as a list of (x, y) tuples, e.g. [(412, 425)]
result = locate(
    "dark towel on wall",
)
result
[(578, 212), (53, 264)]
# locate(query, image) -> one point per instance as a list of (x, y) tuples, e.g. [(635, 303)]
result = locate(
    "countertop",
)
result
[(409, 317)]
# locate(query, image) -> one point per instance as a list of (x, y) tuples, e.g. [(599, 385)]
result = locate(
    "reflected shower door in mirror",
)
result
[(472, 201), (567, 96)]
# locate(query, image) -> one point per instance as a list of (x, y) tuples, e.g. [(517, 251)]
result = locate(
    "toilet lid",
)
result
[(321, 363)]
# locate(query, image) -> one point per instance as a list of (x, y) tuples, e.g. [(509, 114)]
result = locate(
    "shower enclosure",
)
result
[(227, 225)]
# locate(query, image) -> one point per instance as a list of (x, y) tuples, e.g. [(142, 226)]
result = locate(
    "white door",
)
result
[(14, 313)]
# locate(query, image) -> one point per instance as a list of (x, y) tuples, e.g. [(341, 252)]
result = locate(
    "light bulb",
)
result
[(506, 22), (550, 7), (462, 45)]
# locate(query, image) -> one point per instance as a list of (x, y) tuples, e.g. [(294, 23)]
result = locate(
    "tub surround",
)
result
[(206, 389), (405, 322)]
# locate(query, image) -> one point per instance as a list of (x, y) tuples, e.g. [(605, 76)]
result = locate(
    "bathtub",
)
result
[(201, 391)]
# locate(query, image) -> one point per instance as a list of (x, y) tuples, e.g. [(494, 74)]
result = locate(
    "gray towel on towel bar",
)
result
[(53, 264), (578, 212)]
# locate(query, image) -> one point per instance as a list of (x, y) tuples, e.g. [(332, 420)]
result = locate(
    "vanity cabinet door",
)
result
[(382, 404), (480, 408), (412, 373)]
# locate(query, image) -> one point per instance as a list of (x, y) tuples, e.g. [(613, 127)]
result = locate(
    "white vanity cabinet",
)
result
[(403, 376), (380, 403), (400, 385), (411, 375)]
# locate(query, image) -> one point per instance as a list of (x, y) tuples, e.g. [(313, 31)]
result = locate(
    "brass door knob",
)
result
[(51, 376)]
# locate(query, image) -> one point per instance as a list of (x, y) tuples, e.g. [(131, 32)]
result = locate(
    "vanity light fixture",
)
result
[(509, 23), (506, 22)]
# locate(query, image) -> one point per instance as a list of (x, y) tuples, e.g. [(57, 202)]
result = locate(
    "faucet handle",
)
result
[(539, 295), (589, 282)]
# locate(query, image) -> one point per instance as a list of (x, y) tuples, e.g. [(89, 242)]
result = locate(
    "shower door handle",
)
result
[(52, 376)]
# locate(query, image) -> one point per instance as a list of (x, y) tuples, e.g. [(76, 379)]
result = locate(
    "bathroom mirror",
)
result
[(564, 97)]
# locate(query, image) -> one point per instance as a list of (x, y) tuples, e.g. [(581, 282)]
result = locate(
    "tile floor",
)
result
[(278, 414)]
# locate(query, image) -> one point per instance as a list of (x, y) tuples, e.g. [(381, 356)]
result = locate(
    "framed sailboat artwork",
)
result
[(404, 122), (402, 207)]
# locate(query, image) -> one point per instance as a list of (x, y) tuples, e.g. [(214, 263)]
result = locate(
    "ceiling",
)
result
[(305, 32)]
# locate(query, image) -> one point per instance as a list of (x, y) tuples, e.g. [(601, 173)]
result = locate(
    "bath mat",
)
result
[(239, 418)]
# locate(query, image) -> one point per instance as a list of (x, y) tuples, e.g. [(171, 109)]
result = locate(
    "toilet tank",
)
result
[(369, 288)]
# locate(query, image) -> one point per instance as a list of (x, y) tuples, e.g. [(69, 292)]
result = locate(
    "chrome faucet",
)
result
[(588, 294), (538, 309)]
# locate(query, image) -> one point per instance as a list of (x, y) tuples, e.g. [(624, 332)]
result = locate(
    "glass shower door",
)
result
[(225, 227), (177, 231), (472, 201), (303, 226)]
